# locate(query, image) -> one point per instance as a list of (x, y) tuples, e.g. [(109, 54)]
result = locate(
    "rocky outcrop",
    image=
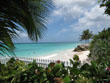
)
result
[(82, 47)]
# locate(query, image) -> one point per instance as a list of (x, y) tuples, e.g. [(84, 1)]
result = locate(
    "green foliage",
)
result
[(19, 16), (94, 72), (106, 4), (98, 72), (56, 72), (66, 79), (86, 35), (76, 57), (82, 79), (10, 71), (16, 71), (100, 46), (74, 70), (33, 74), (103, 35)]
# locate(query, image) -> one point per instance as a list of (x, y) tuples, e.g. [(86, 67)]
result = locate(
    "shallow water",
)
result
[(41, 49)]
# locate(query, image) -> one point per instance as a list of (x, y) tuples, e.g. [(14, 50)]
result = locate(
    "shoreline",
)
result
[(66, 55)]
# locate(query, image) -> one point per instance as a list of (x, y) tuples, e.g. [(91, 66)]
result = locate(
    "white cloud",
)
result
[(71, 9), (95, 19), (57, 12), (88, 13)]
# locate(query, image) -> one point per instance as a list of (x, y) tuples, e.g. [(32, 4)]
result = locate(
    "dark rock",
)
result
[(82, 47)]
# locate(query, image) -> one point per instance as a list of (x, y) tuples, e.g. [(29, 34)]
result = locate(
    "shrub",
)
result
[(56, 72), (76, 57), (74, 69), (100, 46), (9, 72), (82, 79), (99, 72), (16, 72), (94, 72), (33, 74), (105, 34)]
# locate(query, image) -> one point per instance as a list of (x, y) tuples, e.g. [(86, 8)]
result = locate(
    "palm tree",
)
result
[(22, 15), (86, 35), (106, 5)]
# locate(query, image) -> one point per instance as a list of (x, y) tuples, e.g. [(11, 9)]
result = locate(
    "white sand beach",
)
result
[(66, 55)]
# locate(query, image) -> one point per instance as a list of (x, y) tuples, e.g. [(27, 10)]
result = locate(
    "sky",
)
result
[(69, 18)]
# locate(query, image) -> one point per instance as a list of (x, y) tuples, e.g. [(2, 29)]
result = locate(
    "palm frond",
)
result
[(31, 15)]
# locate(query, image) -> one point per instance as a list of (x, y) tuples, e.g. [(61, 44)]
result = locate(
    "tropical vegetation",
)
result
[(86, 35), (16, 71), (28, 16), (106, 4), (100, 46)]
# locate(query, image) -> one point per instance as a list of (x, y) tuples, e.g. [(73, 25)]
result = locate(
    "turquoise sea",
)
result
[(41, 49)]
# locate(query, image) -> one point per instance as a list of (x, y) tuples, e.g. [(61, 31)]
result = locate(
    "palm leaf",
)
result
[(20, 15)]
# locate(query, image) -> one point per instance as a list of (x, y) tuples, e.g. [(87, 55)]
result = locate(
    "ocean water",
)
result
[(41, 49)]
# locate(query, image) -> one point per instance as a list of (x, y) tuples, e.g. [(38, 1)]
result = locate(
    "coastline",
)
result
[(66, 55)]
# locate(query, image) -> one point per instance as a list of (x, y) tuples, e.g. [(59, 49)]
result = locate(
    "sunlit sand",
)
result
[(66, 55)]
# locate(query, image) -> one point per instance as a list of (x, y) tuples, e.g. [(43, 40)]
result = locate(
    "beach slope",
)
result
[(66, 55)]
